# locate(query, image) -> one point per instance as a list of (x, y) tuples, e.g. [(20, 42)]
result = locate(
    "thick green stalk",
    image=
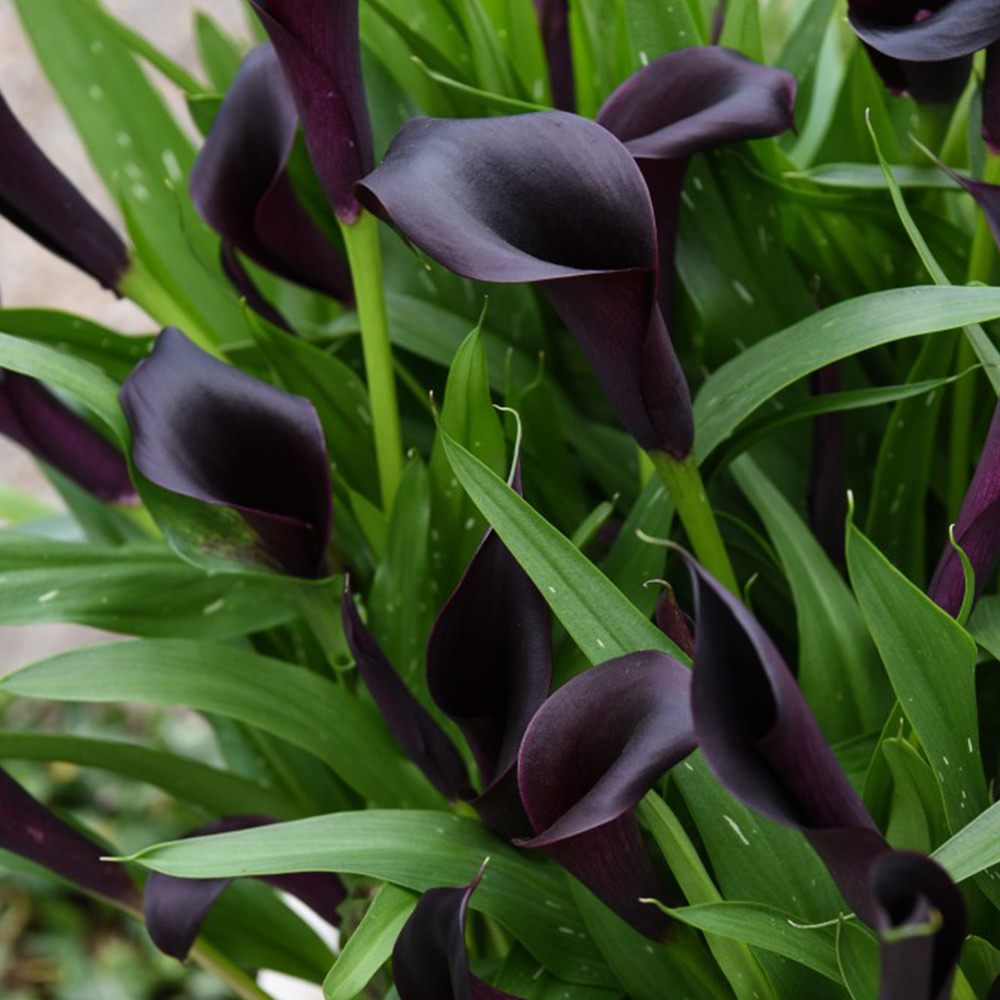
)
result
[(365, 259), (981, 259), (931, 128), (141, 286), (683, 482)]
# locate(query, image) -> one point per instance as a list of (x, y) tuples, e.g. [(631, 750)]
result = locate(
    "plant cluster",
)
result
[(666, 677)]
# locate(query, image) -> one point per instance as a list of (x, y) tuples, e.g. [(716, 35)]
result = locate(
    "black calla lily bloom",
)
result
[(419, 736), (37, 198), (925, 47), (489, 668), (683, 103), (319, 46), (176, 908), (429, 960), (30, 830), (38, 421), (203, 429), (591, 753), (553, 19), (241, 187), (762, 742), (977, 530), (556, 200), (914, 894)]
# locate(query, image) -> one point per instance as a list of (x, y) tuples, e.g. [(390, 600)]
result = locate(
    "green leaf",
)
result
[(813, 945), (17, 506), (370, 946), (84, 382), (401, 605), (984, 625), (858, 957), (417, 850), (217, 792), (595, 613), (136, 589), (931, 662), (286, 701), (654, 29), (116, 355), (218, 53), (467, 416), (740, 386), (916, 818), (836, 653), (741, 29), (974, 849)]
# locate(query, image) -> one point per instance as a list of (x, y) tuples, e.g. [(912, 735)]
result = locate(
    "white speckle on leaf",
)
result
[(48, 596), (736, 829)]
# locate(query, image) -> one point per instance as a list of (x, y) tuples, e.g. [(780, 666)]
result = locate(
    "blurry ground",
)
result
[(29, 276)]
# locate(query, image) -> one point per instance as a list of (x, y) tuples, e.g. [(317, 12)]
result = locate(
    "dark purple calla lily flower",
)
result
[(683, 103), (242, 190), (913, 893), (553, 19), (429, 960), (556, 200), (489, 668), (205, 430), (977, 530), (591, 753), (673, 622), (762, 742), (29, 829), (37, 198), (38, 421), (319, 47), (925, 48), (176, 908), (419, 736)]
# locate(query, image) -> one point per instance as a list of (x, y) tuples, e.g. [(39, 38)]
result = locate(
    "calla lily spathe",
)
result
[(591, 753), (33, 417), (556, 200), (206, 430), (241, 188), (318, 44), (925, 47), (37, 198), (686, 102)]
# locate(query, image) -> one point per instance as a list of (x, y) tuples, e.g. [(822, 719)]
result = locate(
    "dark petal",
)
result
[(684, 102), (204, 429), (489, 667), (34, 418), (673, 622), (590, 754), (176, 908), (553, 18), (554, 199), (977, 530), (935, 82), (991, 99), (959, 28), (697, 98), (911, 889), (762, 742), (37, 198), (240, 186), (429, 961), (29, 829), (419, 736), (319, 47), (827, 486)]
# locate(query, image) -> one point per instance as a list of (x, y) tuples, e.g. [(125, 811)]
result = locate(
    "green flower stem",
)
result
[(981, 258), (365, 259), (683, 482), (931, 128), (141, 286)]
